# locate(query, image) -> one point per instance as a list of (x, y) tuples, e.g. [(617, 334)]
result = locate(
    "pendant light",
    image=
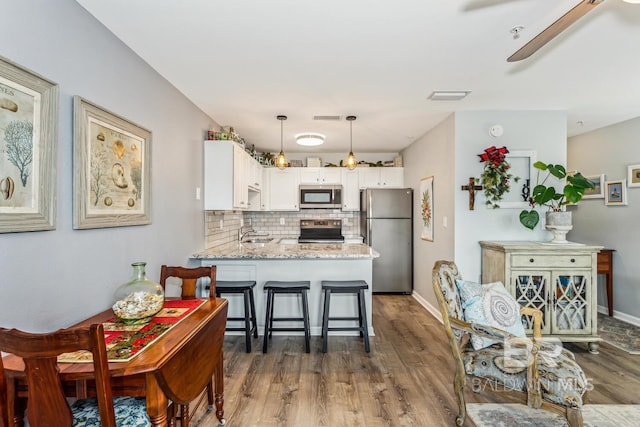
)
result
[(351, 161), (281, 160)]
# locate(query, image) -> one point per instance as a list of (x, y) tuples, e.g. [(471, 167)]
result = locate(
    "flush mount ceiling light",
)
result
[(281, 160), (310, 139), (351, 161), (448, 95)]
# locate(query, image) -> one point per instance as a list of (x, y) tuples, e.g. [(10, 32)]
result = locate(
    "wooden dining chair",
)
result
[(47, 404), (189, 279)]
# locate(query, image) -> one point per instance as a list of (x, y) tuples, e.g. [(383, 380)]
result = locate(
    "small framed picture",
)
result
[(426, 208), (597, 192), (633, 175), (616, 193)]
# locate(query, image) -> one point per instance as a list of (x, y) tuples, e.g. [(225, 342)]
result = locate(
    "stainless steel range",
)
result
[(321, 231)]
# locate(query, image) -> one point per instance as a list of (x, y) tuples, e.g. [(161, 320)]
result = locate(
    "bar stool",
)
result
[(244, 287), (345, 287), (276, 287)]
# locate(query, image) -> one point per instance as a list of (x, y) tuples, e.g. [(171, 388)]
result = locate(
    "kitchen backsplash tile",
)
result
[(270, 222)]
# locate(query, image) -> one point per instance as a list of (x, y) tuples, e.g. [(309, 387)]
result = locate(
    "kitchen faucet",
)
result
[(242, 235)]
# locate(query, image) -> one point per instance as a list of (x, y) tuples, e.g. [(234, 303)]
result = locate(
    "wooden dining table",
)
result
[(176, 367)]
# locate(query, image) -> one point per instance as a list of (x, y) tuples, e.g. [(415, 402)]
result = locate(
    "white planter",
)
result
[(559, 223)]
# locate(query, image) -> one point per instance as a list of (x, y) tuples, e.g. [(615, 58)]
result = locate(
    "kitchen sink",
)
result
[(259, 240)]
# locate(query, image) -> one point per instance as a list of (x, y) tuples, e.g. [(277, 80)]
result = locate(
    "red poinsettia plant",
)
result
[(495, 178)]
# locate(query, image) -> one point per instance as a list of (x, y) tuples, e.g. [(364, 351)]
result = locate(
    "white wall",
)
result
[(51, 279), (433, 156), (542, 131), (609, 150)]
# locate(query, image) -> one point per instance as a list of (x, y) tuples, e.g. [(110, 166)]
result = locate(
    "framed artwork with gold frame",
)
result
[(111, 169)]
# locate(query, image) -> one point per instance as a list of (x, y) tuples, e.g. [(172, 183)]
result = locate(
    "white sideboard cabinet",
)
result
[(558, 279)]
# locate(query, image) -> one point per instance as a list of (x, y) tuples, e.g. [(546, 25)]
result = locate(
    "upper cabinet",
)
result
[(350, 189), (320, 176), (283, 189), (231, 177), (233, 180), (381, 177)]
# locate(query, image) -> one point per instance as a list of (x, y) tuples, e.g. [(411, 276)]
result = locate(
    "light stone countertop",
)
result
[(277, 250)]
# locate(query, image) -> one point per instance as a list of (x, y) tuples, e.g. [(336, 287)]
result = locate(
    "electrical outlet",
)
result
[(221, 224), (444, 221), (281, 221), (197, 193), (241, 222)]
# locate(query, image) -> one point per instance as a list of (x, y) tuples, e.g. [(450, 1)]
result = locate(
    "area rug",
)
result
[(513, 414), (622, 335)]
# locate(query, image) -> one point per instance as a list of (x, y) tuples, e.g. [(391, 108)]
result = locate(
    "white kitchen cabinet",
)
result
[(228, 170), (255, 174), (558, 279), (283, 189), (374, 177), (350, 189), (320, 176)]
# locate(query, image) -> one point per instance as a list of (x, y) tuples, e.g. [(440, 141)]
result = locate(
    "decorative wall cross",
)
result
[(472, 188)]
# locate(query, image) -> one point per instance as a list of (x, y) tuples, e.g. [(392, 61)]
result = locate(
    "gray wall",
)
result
[(609, 150), (449, 153), (51, 279), (432, 155), (544, 132)]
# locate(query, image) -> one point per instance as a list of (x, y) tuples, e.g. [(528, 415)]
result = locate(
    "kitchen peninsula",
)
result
[(276, 260)]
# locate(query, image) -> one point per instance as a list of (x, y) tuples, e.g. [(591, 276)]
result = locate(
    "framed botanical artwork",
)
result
[(28, 139), (615, 193), (633, 175), (426, 208), (111, 169), (597, 192)]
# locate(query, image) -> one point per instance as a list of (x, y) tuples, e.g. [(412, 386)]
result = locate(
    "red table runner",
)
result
[(124, 342)]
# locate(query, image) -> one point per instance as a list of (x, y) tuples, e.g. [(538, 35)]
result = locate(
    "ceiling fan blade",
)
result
[(554, 29)]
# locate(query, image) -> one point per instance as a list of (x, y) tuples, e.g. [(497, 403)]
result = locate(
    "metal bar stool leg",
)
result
[(252, 303), (267, 320), (247, 320), (272, 296), (305, 315), (363, 320), (360, 298), (325, 320)]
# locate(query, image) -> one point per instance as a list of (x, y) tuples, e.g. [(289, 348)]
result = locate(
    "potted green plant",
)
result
[(544, 194)]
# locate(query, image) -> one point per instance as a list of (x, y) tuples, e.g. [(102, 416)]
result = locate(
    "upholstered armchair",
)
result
[(527, 370)]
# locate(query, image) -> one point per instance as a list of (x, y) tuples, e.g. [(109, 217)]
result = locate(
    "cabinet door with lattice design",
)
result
[(531, 289), (570, 299)]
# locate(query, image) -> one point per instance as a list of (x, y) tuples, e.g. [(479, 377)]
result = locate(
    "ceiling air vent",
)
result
[(326, 117), (448, 95)]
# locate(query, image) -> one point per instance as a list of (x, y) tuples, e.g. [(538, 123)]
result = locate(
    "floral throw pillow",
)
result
[(490, 305)]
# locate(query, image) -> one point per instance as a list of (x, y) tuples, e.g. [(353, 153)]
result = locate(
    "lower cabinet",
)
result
[(559, 280)]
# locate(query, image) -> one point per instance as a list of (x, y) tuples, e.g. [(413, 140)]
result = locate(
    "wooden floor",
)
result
[(406, 380)]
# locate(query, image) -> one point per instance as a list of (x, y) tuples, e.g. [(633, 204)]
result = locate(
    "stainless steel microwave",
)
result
[(321, 196)]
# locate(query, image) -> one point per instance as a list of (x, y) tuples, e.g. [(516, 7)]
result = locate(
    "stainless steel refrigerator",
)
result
[(386, 224)]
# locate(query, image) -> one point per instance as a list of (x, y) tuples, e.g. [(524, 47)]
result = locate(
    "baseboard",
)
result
[(435, 311), (620, 316)]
